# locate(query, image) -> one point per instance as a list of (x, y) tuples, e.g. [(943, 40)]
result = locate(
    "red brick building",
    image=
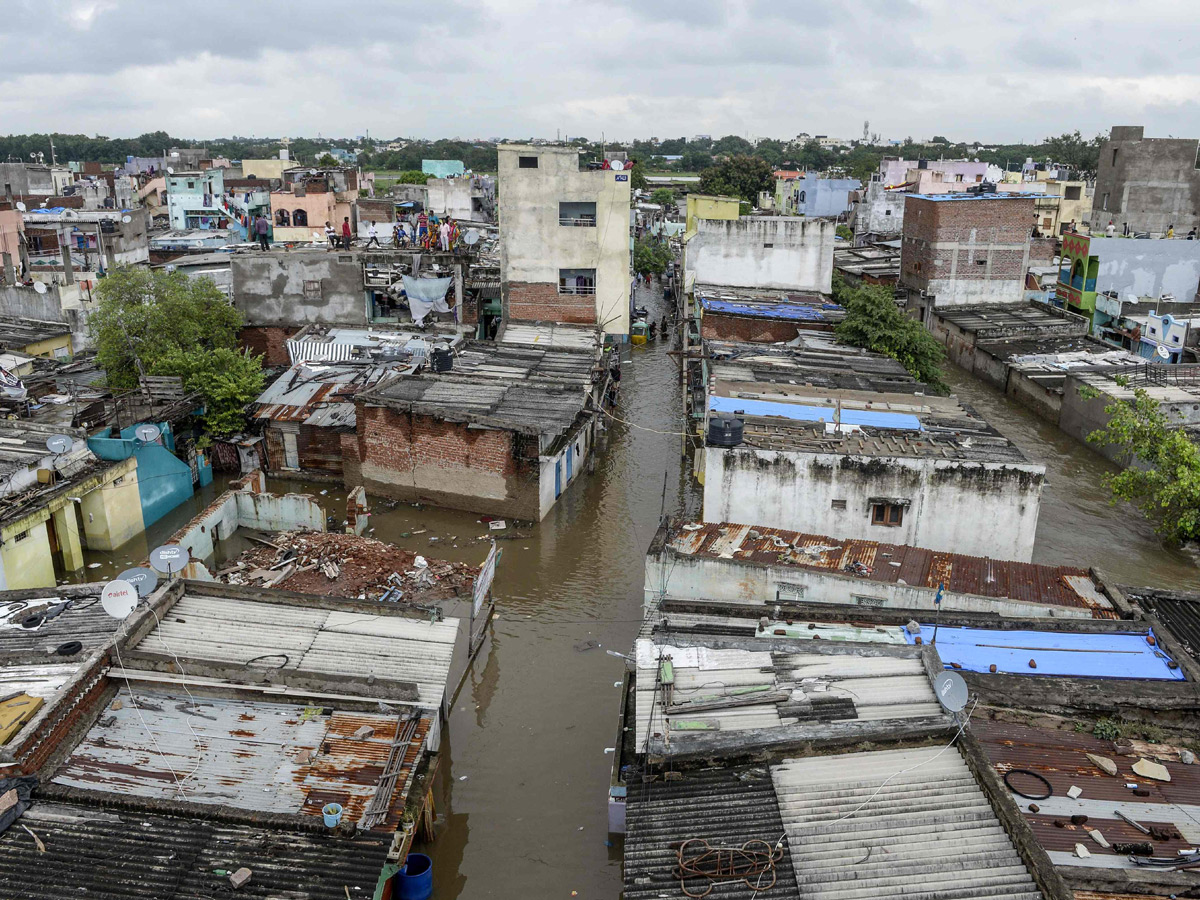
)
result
[(504, 432), (963, 249)]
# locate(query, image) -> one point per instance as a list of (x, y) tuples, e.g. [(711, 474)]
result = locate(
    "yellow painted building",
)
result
[(266, 168), (708, 206), (38, 544)]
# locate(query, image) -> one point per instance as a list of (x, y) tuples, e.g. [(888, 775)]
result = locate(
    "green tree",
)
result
[(844, 232), (664, 197), (733, 145), (412, 176), (326, 161), (875, 322), (814, 156), (695, 161), (1163, 476), (739, 176), (167, 324), (651, 256), (637, 178), (1075, 151)]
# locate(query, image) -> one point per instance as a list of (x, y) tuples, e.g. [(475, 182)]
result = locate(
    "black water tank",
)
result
[(725, 431), (441, 359)]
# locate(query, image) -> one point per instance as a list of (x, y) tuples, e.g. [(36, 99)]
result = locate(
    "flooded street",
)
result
[(521, 802)]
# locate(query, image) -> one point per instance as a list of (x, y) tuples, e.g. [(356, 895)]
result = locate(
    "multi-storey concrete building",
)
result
[(960, 249), (564, 239), (1146, 184)]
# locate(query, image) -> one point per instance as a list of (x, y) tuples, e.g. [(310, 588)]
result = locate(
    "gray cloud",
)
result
[(629, 68)]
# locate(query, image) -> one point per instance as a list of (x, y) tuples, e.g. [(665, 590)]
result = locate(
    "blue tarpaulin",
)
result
[(784, 309), (798, 412), (1080, 655)]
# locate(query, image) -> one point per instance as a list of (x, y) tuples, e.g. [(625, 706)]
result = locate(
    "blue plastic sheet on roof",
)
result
[(1079, 655), (800, 312), (801, 413), (54, 210)]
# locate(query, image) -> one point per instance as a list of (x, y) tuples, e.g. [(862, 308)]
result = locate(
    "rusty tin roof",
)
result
[(892, 563)]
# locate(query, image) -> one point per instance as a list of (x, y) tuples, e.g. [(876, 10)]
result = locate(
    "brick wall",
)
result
[(414, 457), (351, 463), (721, 327), (269, 341), (531, 302), (931, 224)]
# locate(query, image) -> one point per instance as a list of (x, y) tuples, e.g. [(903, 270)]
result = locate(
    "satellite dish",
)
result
[(168, 558), (1162, 352), (119, 598), (126, 219), (951, 691), (147, 433), (471, 237), (143, 580), (59, 443), (312, 171), (20, 206), (170, 171), (616, 165), (39, 288)]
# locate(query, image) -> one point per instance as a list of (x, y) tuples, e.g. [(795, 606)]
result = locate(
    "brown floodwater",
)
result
[(521, 803)]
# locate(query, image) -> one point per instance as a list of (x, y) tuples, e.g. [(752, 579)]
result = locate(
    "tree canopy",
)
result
[(651, 256), (172, 325), (1163, 476), (873, 321), (739, 176)]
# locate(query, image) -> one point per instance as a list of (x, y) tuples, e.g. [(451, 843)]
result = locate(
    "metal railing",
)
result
[(585, 222), (576, 289), (1163, 374)]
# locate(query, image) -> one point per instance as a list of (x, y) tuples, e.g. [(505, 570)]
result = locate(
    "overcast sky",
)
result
[(995, 72)]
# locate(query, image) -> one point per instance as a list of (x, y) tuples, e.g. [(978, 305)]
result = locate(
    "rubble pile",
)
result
[(347, 565)]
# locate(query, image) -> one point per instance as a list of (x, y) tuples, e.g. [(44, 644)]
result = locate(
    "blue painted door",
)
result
[(557, 478), (570, 449)]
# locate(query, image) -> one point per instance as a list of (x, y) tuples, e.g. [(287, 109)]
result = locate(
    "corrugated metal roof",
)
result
[(927, 832), (1060, 758), (868, 560), (244, 754), (83, 620), (796, 686), (1179, 611), (102, 853), (41, 680), (726, 807), (310, 639), (316, 393), (551, 334)]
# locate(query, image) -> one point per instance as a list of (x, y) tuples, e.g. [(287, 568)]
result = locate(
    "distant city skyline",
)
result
[(628, 68)]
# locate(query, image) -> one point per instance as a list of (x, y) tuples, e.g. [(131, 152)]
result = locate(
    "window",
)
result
[(1073, 192), (1153, 330), (887, 212), (868, 601), (282, 217), (1104, 203), (837, 504), (768, 246), (579, 215), (802, 197), (527, 162), (312, 288), (887, 514), (1114, 162), (21, 536), (1175, 338), (577, 281), (118, 481), (191, 184), (786, 590), (300, 217)]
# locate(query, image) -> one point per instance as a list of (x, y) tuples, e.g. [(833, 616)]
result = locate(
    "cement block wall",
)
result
[(299, 288), (1081, 417), (796, 491), (1147, 268), (764, 252), (1148, 184)]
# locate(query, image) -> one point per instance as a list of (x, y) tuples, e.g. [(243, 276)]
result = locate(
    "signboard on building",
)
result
[(483, 581)]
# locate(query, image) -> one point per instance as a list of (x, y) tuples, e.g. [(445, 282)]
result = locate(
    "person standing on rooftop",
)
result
[(346, 232), (261, 227)]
